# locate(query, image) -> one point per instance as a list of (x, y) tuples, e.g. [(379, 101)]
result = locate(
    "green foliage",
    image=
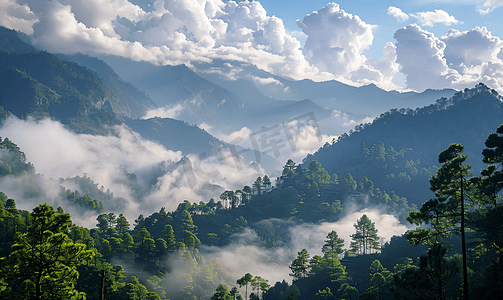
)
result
[(43, 262), (13, 160), (365, 239), (431, 278), (379, 285), (300, 265), (222, 293), (333, 245), (443, 212), (243, 281)]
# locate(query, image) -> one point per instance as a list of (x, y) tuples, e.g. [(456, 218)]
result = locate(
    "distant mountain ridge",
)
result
[(236, 104), (367, 99)]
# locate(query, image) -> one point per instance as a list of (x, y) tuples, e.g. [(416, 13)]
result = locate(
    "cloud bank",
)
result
[(186, 32), (56, 153)]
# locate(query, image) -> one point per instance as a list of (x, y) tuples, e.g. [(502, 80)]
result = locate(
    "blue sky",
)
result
[(375, 13), (400, 45)]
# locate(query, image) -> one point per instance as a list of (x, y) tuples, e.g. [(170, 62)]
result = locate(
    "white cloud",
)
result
[(335, 43), (471, 48), (186, 32), (397, 13), (457, 60), (57, 153), (265, 81), (335, 40), (308, 140), (174, 32), (430, 18), (16, 16), (311, 237), (420, 54), (168, 111), (339, 123), (488, 6)]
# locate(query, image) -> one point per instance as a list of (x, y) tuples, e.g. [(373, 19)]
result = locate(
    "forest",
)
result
[(454, 252)]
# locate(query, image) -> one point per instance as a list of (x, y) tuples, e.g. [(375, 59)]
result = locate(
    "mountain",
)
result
[(86, 98), (201, 100), (15, 41), (41, 85), (404, 144), (176, 135), (126, 99), (233, 103), (366, 100)]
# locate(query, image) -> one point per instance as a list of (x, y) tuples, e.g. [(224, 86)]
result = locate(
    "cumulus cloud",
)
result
[(426, 18), (335, 40), (171, 32), (335, 43), (16, 16), (430, 18), (459, 59), (187, 32), (420, 54), (397, 13), (471, 48)]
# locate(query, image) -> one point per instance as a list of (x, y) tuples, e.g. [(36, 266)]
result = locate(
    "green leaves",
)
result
[(365, 239), (44, 259), (300, 265)]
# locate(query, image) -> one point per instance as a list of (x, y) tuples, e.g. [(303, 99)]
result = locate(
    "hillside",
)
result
[(466, 118), (88, 100), (125, 99)]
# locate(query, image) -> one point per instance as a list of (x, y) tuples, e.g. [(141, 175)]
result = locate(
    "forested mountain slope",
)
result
[(126, 99), (374, 150), (40, 84)]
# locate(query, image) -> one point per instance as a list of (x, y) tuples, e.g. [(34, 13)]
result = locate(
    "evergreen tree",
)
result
[(43, 260), (333, 244), (243, 281), (169, 237), (365, 239), (122, 224), (380, 282), (300, 265), (222, 293), (447, 210), (430, 278)]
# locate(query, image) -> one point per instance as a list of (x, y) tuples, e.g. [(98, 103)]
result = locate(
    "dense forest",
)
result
[(458, 250)]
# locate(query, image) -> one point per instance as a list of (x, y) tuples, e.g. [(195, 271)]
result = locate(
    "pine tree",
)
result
[(333, 244), (365, 239), (300, 265), (43, 260), (446, 212)]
